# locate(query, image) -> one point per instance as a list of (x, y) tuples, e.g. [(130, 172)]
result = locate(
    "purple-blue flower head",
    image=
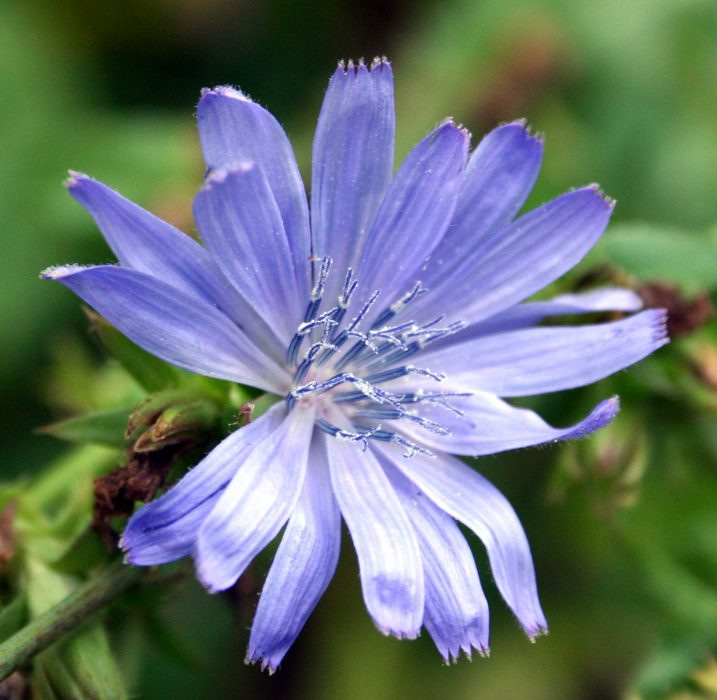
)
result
[(388, 313)]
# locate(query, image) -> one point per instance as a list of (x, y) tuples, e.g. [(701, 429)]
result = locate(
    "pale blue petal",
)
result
[(147, 244), (490, 425), (352, 163), (171, 324), (416, 211), (241, 225), (303, 566), (389, 559), (541, 360), (255, 505), (595, 300), (166, 529), (466, 496), (533, 312), (234, 129), (519, 259), (456, 613), (497, 180)]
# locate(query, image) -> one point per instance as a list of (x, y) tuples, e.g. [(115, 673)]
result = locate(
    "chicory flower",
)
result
[(389, 316)]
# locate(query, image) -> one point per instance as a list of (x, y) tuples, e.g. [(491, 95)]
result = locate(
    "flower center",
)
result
[(348, 361)]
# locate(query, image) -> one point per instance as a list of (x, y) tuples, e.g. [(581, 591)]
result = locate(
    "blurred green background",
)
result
[(623, 526)]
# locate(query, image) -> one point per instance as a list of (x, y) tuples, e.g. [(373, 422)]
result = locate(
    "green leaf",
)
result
[(689, 600), (88, 658), (105, 428), (70, 474), (82, 666), (57, 681), (57, 507), (661, 253), (41, 686), (672, 669), (12, 617)]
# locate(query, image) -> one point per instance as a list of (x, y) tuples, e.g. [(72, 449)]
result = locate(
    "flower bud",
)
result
[(608, 468)]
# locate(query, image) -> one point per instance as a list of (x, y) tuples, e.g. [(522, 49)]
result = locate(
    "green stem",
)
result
[(66, 615)]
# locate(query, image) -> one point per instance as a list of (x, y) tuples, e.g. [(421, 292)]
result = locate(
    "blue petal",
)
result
[(602, 299), (166, 529), (466, 496), (416, 211), (522, 258), (256, 503), (389, 559), (456, 613), (147, 244), (352, 162), (303, 566), (490, 425), (540, 360), (234, 129), (241, 225), (500, 174), (533, 312), (171, 324)]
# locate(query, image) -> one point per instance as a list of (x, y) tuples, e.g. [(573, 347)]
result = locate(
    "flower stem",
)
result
[(68, 614)]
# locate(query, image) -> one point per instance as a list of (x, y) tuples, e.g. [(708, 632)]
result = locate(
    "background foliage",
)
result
[(623, 526)]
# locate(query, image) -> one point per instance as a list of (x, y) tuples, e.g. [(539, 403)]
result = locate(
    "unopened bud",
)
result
[(147, 412), (608, 468), (179, 422)]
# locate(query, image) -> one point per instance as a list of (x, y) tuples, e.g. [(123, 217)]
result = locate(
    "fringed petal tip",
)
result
[(660, 334), (398, 634), (351, 67), (449, 125), (75, 179), (58, 272), (131, 560), (608, 202), (470, 643), (524, 127), (139, 549), (127, 542), (130, 557), (534, 631), (453, 656), (125, 549), (271, 666), (222, 91), (122, 544)]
